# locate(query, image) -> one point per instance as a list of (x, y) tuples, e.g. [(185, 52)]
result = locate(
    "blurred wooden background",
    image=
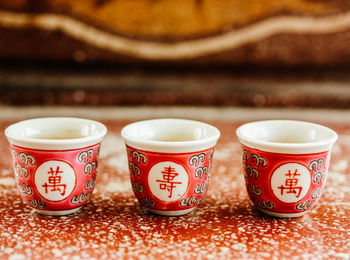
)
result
[(167, 52)]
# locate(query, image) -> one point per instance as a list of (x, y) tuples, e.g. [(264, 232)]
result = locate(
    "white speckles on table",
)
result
[(225, 225)]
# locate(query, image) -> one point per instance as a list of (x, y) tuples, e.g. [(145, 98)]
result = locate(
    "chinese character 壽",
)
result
[(55, 182), (168, 182), (291, 184)]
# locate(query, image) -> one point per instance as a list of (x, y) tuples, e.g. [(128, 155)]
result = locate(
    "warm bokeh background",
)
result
[(166, 52)]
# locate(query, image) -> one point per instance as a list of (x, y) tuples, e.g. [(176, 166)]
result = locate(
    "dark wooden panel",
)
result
[(101, 85)]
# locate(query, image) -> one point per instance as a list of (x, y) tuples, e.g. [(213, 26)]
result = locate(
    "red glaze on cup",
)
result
[(168, 182)]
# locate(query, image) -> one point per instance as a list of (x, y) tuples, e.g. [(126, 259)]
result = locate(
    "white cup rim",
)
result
[(318, 138), (18, 133), (134, 135)]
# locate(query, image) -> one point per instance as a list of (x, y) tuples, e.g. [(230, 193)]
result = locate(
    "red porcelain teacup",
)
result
[(170, 162), (55, 162), (285, 164)]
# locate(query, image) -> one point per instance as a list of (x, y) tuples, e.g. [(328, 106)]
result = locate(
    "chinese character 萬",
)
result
[(55, 182), (291, 184)]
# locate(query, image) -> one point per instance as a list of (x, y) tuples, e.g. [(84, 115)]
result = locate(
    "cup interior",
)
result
[(286, 136), (55, 132), (158, 134)]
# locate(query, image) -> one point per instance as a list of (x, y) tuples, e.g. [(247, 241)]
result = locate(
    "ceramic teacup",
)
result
[(170, 162), (285, 164), (55, 161)]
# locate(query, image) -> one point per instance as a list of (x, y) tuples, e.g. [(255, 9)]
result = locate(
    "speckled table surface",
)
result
[(225, 224)]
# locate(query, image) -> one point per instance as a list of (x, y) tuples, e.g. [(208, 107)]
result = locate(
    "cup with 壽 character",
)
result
[(170, 162)]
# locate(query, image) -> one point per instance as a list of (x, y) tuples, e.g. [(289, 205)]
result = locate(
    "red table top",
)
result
[(225, 224)]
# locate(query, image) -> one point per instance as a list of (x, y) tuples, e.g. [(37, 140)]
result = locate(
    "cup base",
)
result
[(282, 215), (171, 213), (57, 212)]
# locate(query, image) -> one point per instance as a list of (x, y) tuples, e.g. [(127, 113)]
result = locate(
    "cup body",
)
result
[(285, 164), (170, 162), (55, 162)]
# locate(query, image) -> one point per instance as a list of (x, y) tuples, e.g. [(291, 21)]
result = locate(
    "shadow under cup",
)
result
[(285, 164), (55, 161), (170, 162)]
